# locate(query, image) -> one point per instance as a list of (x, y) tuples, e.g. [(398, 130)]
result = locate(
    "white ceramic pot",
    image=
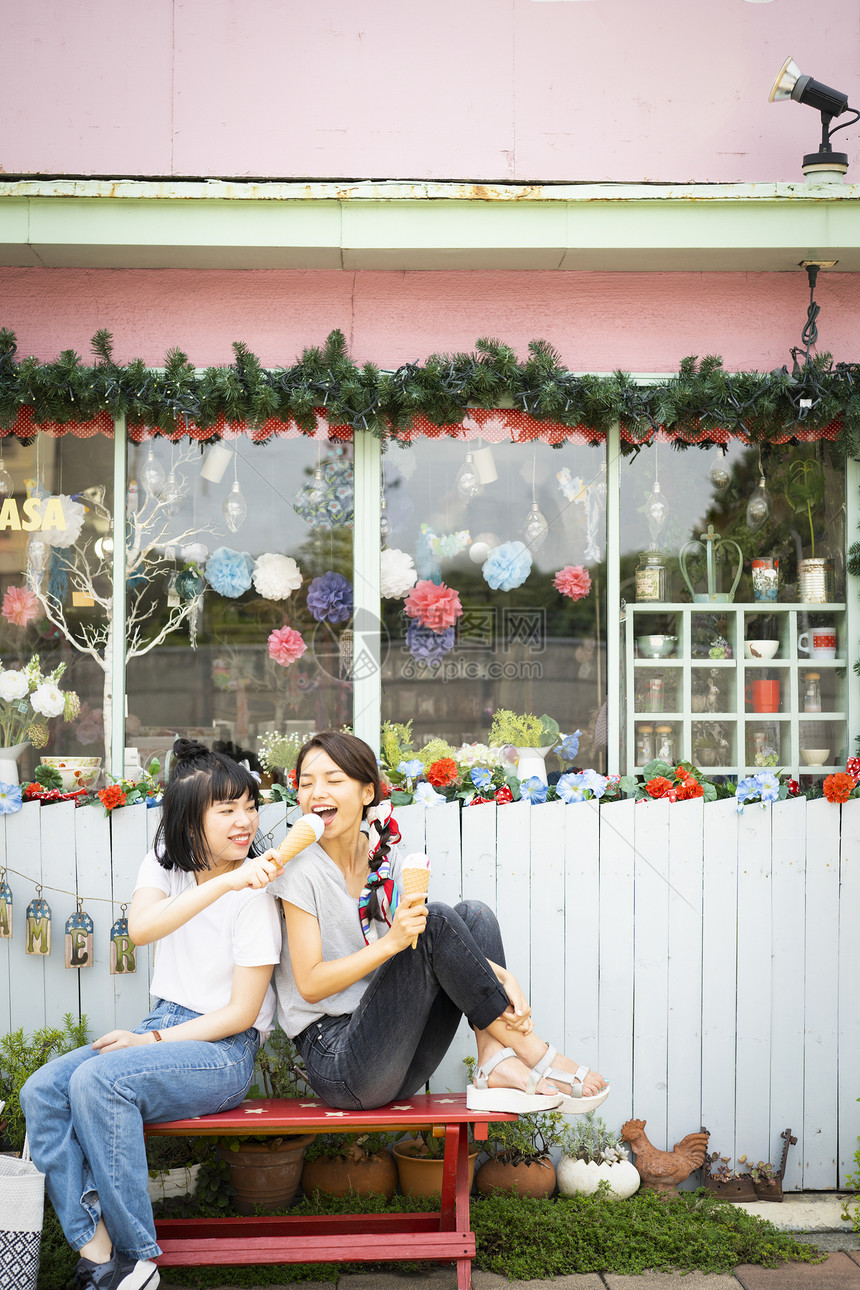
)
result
[(532, 761), (165, 1183), (582, 1177), (9, 762)]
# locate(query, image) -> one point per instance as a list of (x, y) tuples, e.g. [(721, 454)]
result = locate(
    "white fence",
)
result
[(707, 962)]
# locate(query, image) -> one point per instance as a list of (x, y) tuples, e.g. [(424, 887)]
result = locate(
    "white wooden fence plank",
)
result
[(129, 845), (513, 889), (93, 859), (849, 977), (684, 1037), (822, 976), (57, 844), (615, 918), (788, 826), (651, 824), (442, 832), (23, 855), (7, 944), (547, 920), (410, 821), (752, 1105), (478, 853), (580, 934), (719, 974), (273, 822)]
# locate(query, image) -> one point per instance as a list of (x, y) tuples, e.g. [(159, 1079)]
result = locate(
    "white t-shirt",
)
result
[(194, 965)]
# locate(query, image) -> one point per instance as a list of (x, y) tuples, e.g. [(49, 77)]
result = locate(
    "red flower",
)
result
[(504, 795), (659, 786), (689, 788), (111, 797), (291, 779), (384, 789), (443, 773), (838, 787)]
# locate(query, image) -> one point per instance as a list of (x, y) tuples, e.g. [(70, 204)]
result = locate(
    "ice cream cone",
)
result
[(415, 877), (305, 831)]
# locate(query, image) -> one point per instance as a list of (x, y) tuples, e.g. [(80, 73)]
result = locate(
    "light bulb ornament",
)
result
[(7, 487), (535, 527), (468, 481), (760, 504), (234, 508), (151, 474), (656, 507)]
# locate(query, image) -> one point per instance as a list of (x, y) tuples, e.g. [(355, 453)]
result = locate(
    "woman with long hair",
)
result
[(372, 1018), (201, 895)]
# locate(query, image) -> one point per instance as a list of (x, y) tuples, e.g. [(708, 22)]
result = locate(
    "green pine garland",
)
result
[(702, 397)]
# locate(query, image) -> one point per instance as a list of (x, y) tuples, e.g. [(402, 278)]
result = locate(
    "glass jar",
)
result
[(812, 692), (664, 743), (651, 576), (655, 695), (644, 745)]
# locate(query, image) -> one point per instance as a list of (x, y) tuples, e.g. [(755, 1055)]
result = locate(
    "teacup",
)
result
[(823, 642)]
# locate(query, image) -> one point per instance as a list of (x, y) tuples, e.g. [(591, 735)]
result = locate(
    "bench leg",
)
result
[(455, 1193)]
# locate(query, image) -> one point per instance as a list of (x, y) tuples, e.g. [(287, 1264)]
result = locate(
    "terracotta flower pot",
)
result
[(266, 1173), (336, 1176), (734, 1190), (532, 1178), (422, 1175)]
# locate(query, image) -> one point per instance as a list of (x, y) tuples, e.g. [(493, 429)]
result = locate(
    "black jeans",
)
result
[(389, 1047)]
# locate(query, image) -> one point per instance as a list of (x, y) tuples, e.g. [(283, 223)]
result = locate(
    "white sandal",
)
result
[(573, 1103), (480, 1097)]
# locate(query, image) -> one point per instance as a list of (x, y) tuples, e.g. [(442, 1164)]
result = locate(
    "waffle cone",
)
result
[(413, 881), (301, 835)]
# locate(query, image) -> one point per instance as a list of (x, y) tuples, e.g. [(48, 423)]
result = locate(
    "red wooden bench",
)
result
[(349, 1238)]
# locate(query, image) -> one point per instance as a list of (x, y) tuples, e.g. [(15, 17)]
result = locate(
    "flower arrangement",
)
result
[(523, 730), (26, 696), (277, 751), (762, 787), (129, 792), (839, 787), (675, 783)]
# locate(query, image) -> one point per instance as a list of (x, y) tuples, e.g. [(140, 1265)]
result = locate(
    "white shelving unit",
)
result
[(686, 677)]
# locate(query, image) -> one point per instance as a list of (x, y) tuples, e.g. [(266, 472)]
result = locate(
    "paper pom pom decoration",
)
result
[(229, 572), (427, 646), (507, 566), (286, 645), (396, 573), (434, 605), (276, 576), (74, 514), (573, 581), (194, 553), (20, 606), (330, 598)]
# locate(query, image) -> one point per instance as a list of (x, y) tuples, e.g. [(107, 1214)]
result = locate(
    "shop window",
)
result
[(525, 647)]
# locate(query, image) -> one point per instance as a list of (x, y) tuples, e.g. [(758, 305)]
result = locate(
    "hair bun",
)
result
[(189, 750)]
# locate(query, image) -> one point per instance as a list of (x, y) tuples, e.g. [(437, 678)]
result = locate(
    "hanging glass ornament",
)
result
[(468, 482), (171, 494), (384, 523), (657, 510), (719, 475), (38, 554), (535, 529), (317, 484), (152, 474), (759, 506), (7, 487), (234, 508), (103, 546)]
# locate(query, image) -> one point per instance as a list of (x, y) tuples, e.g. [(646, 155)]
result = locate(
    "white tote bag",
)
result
[(22, 1205)]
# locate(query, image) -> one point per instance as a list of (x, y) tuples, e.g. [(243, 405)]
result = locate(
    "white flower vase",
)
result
[(9, 762), (532, 761), (583, 1177)]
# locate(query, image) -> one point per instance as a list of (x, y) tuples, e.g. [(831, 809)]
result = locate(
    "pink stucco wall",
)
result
[(624, 90), (599, 321)]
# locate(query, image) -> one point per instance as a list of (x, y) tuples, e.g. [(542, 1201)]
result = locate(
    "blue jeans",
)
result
[(85, 1113), (408, 1015)]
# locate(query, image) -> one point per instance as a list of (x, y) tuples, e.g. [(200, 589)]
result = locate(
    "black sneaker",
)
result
[(117, 1274)]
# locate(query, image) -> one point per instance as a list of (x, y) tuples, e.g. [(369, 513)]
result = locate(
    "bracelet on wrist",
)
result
[(157, 1035)]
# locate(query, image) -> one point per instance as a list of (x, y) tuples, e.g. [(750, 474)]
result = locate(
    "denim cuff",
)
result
[(490, 1009)]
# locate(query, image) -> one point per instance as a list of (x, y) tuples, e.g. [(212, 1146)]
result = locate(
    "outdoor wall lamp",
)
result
[(824, 166)]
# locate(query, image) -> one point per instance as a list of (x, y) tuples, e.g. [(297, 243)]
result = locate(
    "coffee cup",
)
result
[(763, 695), (818, 642)]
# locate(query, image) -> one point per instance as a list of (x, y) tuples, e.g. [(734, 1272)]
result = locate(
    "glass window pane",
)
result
[(529, 649)]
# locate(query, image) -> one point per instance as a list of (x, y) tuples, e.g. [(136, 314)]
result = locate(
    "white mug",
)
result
[(823, 642)]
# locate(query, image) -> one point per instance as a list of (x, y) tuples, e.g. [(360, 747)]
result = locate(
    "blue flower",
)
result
[(229, 572), (594, 782), (411, 768), (534, 789), (427, 646), (569, 746), (569, 788), (768, 786), (481, 778), (427, 794), (507, 566), (746, 790), (330, 598), (10, 799)]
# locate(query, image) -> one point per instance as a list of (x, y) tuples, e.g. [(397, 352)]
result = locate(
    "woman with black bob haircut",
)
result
[(371, 1018), (201, 894)]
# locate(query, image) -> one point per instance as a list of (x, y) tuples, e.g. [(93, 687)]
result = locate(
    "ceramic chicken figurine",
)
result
[(663, 1170)]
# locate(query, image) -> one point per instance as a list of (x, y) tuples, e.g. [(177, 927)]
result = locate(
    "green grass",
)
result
[(525, 1239)]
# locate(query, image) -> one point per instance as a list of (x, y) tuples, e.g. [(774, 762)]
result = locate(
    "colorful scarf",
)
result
[(386, 889)]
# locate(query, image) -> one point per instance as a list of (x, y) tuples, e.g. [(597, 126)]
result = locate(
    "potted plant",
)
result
[(804, 490), (420, 1162), (591, 1156), (724, 1182), (520, 1157), (28, 700), (20, 1056), (174, 1166), (532, 737), (339, 1163), (767, 1179), (266, 1171)]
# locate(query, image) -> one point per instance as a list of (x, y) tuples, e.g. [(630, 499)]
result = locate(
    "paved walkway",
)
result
[(814, 1217)]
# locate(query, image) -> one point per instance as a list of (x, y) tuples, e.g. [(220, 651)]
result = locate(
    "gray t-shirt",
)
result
[(314, 883)]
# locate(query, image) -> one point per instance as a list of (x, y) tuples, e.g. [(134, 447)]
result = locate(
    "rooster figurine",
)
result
[(664, 1170)]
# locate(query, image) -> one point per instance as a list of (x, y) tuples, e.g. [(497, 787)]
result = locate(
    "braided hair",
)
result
[(198, 777), (357, 760)]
